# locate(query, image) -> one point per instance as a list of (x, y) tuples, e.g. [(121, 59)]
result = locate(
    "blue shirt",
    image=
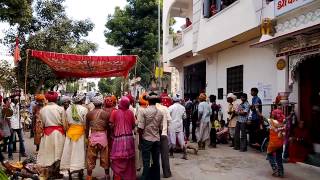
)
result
[(256, 101), (245, 107)]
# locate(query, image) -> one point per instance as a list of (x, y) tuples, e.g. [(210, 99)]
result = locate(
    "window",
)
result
[(212, 7), (235, 80)]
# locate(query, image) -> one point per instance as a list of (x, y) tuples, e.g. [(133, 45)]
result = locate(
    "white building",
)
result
[(224, 51)]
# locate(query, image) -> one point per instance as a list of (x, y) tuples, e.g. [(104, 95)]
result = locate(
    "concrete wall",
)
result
[(259, 67)]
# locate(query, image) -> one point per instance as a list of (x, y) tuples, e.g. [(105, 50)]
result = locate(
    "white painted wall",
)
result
[(259, 67)]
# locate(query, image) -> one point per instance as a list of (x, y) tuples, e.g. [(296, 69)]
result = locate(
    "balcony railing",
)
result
[(213, 8), (180, 38)]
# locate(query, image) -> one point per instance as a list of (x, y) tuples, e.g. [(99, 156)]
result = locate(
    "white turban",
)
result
[(79, 97), (231, 95), (65, 99), (97, 100)]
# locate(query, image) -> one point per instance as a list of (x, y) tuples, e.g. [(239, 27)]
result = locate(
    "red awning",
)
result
[(81, 66)]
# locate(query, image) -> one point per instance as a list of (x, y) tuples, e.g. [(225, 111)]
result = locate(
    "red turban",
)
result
[(131, 99), (166, 101), (51, 96), (109, 102)]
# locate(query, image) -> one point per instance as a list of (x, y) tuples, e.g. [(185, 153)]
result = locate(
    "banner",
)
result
[(284, 6)]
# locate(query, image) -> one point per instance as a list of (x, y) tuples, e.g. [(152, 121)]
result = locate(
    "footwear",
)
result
[(171, 153), (280, 174), (185, 154), (24, 155)]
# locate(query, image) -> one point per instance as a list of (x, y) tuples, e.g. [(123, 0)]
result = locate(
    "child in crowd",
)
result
[(276, 139), (222, 133)]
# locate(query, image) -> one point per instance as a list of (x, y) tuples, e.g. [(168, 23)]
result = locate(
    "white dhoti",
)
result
[(73, 157), (51, 148), (203, 131)]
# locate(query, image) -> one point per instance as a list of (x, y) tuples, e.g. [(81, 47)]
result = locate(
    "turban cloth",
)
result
[(109, 102), (166, 101), (0, 98), (203, 97), (40, 97), (91, 95), (142, 101), (131, 99), (97, 100), (51, 96), (124, 103), (232, 96), (65, 99), (176, 98), (79, 97)]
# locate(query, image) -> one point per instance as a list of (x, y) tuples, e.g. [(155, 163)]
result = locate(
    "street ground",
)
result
[(222, 163)]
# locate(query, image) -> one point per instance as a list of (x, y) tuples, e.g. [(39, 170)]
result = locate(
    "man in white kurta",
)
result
[(177, 113), (53, 119), (73, 157)]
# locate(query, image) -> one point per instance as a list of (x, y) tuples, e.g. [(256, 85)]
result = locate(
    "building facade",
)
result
[(234, 45)]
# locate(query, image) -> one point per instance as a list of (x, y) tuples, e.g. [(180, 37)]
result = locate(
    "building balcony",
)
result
[(179, 43), (234, 24)]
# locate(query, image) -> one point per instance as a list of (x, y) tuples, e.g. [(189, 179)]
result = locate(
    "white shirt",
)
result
[(82, 111), (53, 115), (14, 121), (178, 113), (166, 118), (205, 111)]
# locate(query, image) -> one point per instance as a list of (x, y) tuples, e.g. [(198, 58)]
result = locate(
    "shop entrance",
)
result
[(194, 79), (310, 95)]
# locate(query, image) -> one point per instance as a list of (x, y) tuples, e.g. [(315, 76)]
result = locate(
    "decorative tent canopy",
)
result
[(82, 66)]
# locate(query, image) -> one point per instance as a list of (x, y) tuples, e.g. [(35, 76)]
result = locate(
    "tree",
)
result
[(134, 30), (50, 30), (7, 76), (16, 11), (72, 87), (105, 86)]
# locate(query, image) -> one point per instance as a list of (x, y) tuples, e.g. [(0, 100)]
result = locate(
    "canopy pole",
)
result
[(26, 72)]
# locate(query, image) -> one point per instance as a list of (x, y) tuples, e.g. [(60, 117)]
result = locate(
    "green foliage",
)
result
[(106, 86), (172, 22), (7, 76), (16, 11), (134, 30), (50, 30), (111, 86), (72, 87)]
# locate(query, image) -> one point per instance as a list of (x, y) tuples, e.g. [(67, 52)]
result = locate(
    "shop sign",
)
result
[(283, 6)]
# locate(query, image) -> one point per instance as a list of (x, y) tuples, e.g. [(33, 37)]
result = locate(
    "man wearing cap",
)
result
[(73, 156), (177, 113), (150, 121), (54, 122)]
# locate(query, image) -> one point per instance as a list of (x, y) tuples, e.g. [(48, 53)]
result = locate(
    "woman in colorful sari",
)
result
[(123, 149)]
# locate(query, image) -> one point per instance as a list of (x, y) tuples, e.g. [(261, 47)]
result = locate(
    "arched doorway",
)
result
[(309, 95)]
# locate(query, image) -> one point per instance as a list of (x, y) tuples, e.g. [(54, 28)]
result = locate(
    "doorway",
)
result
[(309, 79), (194, 79)]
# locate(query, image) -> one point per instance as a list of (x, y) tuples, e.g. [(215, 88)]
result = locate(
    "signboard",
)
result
[(283, 6)]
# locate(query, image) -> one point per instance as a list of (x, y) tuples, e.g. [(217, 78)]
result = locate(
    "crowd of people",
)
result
[(128, 136)]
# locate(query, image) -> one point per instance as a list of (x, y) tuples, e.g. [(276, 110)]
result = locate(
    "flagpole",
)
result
[(159, 45)]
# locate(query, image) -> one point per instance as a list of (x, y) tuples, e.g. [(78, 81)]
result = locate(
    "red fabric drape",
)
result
[(82, 66)]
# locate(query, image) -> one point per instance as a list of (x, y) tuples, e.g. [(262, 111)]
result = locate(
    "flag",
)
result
[(16, 55)]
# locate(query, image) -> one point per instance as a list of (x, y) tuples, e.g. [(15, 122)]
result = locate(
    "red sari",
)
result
[(299, 146)]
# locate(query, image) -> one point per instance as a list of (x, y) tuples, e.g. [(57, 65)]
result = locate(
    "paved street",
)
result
[(223, 163)]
